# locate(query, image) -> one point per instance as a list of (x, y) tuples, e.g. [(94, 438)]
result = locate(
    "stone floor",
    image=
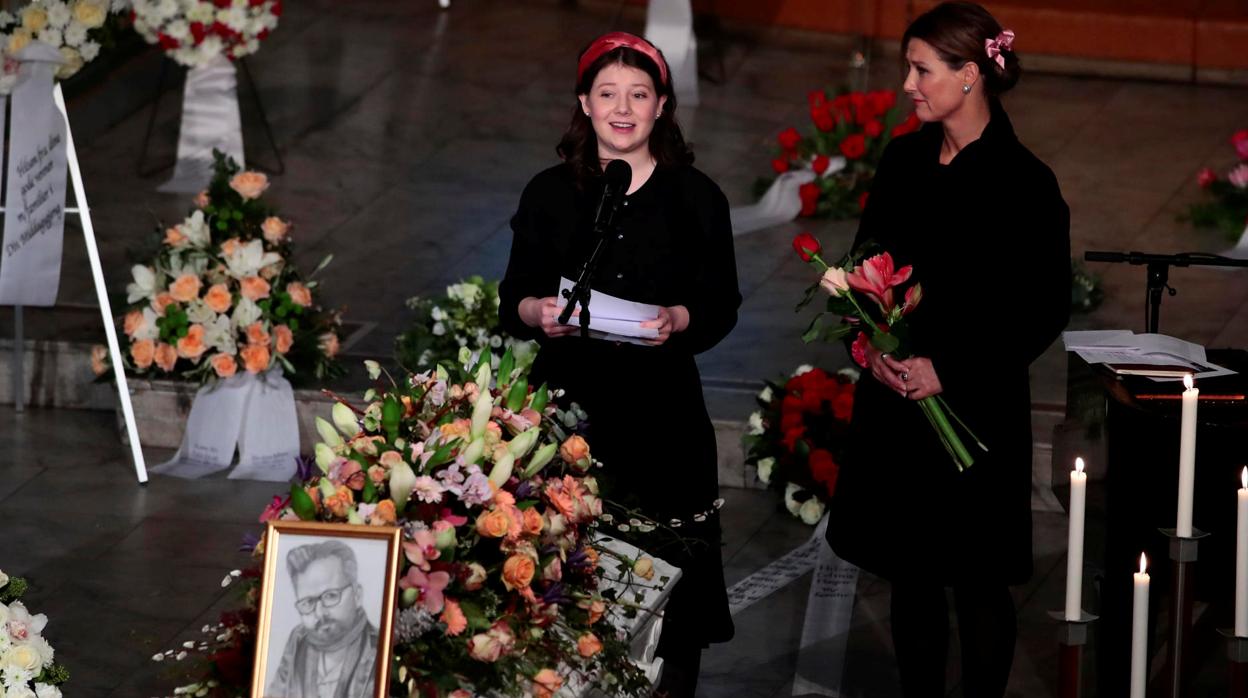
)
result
[(408, 134)]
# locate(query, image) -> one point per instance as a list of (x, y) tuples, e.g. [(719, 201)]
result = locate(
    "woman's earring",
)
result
[(966, 89), (660, 113)]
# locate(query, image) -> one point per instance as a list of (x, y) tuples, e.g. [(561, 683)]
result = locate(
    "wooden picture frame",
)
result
[(344, 572)]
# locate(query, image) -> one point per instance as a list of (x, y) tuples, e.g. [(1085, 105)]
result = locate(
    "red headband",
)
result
[(609, 42)]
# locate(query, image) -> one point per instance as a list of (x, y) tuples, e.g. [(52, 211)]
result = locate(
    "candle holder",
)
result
[(1237, 659), (1071, 638), (1184, 553)]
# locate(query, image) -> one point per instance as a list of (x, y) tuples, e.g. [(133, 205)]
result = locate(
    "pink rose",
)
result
[(1239, 176), (834, 282)]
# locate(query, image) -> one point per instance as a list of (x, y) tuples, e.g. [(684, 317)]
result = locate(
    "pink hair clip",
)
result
[(1003, 42)]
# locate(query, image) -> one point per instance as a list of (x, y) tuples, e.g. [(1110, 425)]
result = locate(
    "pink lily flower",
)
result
[(877, 278), (431, 586), (423, 549)]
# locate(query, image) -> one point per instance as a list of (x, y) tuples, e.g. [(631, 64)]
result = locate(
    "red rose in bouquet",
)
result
[(809, 194), (789, 138)]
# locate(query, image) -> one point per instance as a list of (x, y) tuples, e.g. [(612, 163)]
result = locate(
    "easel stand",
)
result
[(1183, 552), (1071, 639), (101, 291)]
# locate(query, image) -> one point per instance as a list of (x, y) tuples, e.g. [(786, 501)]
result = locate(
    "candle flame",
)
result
[(1187, 381), (1079, 466), (1243, 477), (1143, 563)]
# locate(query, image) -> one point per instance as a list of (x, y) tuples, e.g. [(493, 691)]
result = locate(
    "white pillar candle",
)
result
[(1074, 542), (1139, 632), (1187, 458), (1241, 560)]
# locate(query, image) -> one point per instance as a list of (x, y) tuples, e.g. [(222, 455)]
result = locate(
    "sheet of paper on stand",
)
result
[(616, 319), (1158, 356)]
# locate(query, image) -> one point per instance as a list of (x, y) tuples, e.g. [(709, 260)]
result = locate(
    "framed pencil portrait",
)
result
[(326, 610)]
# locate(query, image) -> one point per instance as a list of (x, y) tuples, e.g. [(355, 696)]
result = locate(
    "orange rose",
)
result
[(546, 683), (384, 514), (162, 301), (518, 572), (218, 298), (591, 556), (143, 352), (255, 288), (574, 450), (255, 358), (274, 229), (493, 524), (166, 356), (256, 335), (299, 294), (99, 359), (284, 338), (224, 365), (377, 474), (533, 522), (340, 502), (174, 237), (588, 645), (229, 247), (460, 428), (453, 616), (185, 288), (249, 185), (329, 344), (192, 345), (202, 200), (134, 320), (596, 608)]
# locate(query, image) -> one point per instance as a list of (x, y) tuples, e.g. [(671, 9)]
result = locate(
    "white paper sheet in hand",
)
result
[(615, 318)]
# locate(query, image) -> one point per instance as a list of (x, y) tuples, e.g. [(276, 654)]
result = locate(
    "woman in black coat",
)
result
[(648, 423), (984, 224)]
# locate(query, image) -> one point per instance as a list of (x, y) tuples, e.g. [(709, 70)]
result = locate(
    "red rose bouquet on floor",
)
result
[(851, 131), (864, 288), (797, 437)]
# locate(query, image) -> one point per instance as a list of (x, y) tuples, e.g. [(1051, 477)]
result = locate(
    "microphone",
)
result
[(618, 176)]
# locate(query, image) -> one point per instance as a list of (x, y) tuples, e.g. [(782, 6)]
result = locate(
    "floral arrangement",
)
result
[(501, 578), (466, 316), (27, 669), (798, 436), (193, 32), (1228, 211), (844, 149), (861, 277), (221, 295), (76, 28)]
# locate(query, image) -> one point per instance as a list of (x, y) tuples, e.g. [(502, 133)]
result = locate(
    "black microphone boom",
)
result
[(618, 176)]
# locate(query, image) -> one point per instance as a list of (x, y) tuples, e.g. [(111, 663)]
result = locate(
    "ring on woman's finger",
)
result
[(905, 376)]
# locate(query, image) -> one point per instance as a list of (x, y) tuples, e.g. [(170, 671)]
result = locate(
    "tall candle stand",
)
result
[(1183, 552), (1072, 636)]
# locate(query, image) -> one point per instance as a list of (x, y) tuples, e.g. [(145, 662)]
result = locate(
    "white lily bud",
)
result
[(402, 482), (374, 369), (475, 450), (523, 443), (484, 377), (501, 471), (541, 458), (328, 433), (325, 457), (344, 419), (481, 411)]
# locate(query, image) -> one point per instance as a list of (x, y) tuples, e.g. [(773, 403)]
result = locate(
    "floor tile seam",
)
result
[(42, 469)]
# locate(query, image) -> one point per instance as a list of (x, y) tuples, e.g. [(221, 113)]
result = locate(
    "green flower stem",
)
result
[(818, 263), (961, 423), (961, 456), (862, 315)]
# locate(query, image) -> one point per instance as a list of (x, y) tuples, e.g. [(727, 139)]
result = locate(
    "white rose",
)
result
[(47, 690), (765, 466), (178, 29), (202, 12), (790, 503), (804, 368), (756, 424), (811, 511), (765, 396), (23, 657), (4, 579), (439, 329)]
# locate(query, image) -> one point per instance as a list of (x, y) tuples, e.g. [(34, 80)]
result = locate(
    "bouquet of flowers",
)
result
[(797, 437), (466, 316), (863, 289), (1229, 209), (76, 28), (26, 659), (844, 149), (221, 295), (501, 580), (193, 32)]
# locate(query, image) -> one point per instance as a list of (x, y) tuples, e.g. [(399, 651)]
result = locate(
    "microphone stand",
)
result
[(1159, 273), (580, 291)]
